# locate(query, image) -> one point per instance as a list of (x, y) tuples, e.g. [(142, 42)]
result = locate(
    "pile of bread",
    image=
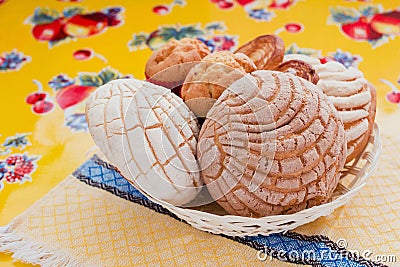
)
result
[(275, 135)]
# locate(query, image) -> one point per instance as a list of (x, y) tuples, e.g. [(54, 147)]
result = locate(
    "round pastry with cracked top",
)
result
[(271, 144), (352, 95), (214, 74), (169, 65), (149, 134)]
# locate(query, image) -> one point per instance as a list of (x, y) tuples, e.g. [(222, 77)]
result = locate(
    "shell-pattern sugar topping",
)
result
[(271, 144)]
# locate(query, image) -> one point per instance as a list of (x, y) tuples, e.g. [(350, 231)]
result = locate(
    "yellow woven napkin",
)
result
[(79, 225), (371, 220), (82, 224)]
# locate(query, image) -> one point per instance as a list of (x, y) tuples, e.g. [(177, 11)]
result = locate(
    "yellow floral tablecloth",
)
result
[(54, 53)]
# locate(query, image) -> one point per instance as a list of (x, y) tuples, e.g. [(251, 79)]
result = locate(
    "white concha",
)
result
[(150, 135)]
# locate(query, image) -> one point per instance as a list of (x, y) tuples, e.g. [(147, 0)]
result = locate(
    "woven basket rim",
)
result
[(206, 221)]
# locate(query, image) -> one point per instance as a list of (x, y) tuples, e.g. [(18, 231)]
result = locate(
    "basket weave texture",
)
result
[(354, 177)]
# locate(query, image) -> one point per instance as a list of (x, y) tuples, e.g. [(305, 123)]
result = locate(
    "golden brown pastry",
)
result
[(169, 65), (300, 69), (214, 74), (266, 51), (271, 144)]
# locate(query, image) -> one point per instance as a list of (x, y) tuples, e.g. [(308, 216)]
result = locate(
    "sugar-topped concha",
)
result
[(210, 77), (149, 134), (271, 144), (351, 94)]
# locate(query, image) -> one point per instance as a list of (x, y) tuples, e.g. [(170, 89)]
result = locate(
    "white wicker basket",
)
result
[(354, 177)]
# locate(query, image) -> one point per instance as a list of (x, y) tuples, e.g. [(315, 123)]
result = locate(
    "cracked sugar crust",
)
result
[(271, 144), (150, 135), (352, 95), (214, 74), (172, 54)]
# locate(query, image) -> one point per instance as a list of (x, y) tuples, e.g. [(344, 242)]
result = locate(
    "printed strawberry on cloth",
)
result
[(53, 54)]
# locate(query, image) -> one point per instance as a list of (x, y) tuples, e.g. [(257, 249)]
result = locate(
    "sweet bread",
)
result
[(352, 95), (150, 135), (214, 74), (266, 51), (169, 65), (271, 144)]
